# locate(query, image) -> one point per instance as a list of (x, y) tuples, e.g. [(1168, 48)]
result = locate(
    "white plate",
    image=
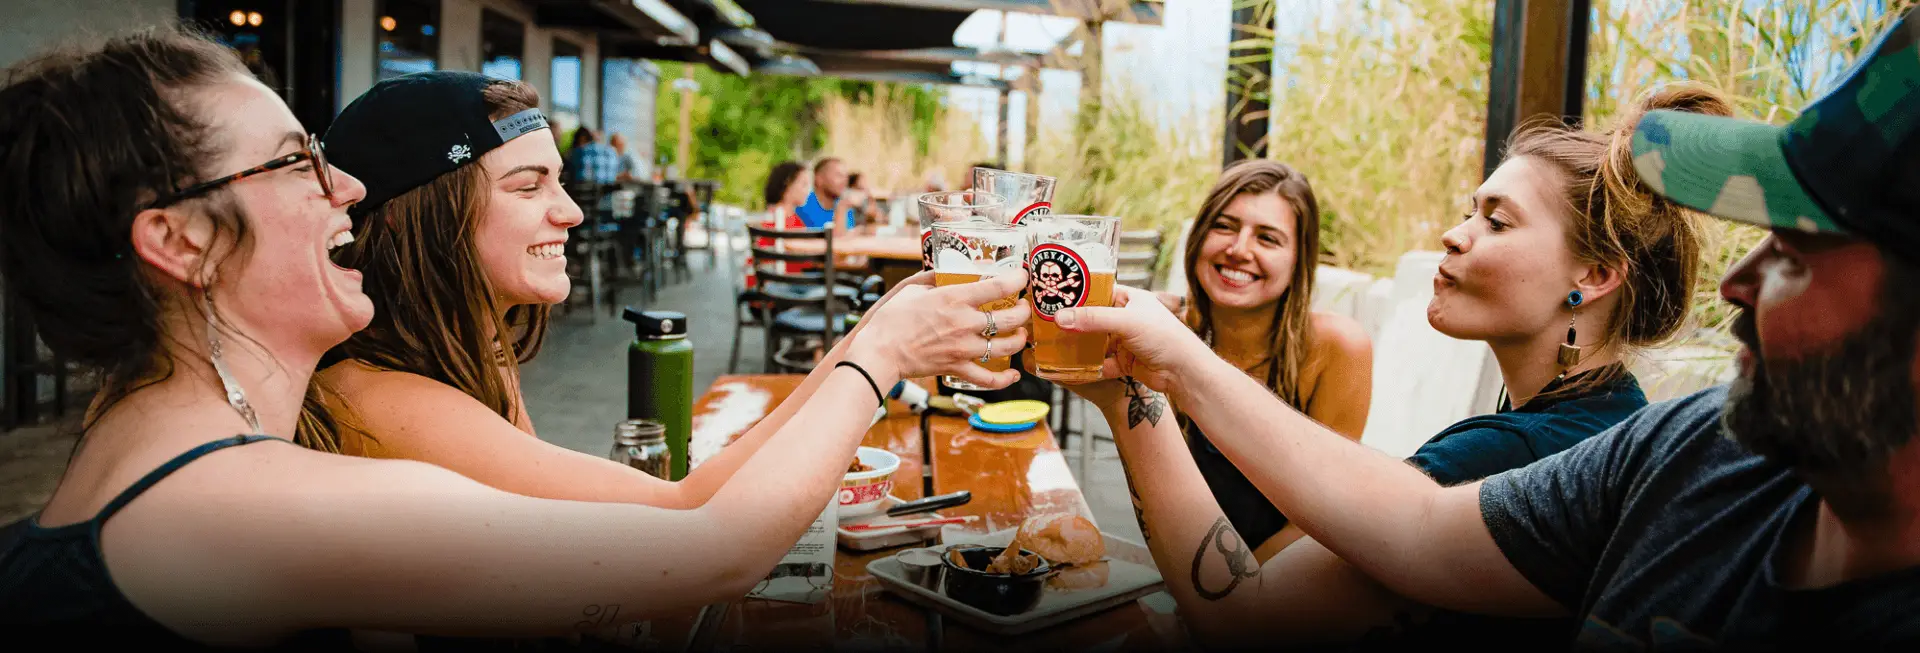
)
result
[(886, 537)]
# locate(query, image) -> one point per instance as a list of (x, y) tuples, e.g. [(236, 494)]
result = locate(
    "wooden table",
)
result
[(1011, 477), (890, 254)]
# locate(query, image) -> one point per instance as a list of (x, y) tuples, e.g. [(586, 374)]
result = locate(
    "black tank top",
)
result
[(1251, 514), (54, 581)]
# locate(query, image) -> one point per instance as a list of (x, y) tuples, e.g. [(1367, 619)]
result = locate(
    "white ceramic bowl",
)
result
[(863, 493)]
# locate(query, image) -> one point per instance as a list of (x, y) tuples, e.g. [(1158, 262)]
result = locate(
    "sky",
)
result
[(1180, 65)]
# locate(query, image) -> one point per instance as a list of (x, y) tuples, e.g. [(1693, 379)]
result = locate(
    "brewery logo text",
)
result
[(933, 240), (1059, 280), (1037, 210)]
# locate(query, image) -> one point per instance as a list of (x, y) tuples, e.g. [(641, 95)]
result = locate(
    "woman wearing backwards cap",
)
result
[(168, 223), (460, 241)]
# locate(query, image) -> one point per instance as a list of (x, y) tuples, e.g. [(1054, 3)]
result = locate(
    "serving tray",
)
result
[(1126, 582)]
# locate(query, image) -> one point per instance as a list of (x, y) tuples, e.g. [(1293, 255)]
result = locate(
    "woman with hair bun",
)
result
[(1565, 263)]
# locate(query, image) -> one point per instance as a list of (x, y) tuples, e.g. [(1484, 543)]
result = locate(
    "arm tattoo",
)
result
[(595, 617), (1139, 507), (1240, 562), (1143, 404)]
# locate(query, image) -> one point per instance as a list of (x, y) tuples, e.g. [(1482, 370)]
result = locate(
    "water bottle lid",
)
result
[(656, 325)]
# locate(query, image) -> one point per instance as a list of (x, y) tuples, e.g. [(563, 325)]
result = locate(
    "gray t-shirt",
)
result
[(1664, 534)]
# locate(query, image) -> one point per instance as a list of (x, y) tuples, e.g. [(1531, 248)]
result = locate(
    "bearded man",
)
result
[(1779, 513)]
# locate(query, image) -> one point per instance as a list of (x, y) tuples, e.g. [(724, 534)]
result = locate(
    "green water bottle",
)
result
[(660, 378)]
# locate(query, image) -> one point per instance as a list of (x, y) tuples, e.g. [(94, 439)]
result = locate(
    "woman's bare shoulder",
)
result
[(384, 401), (1339, 342), (1340, 334), (354, 379)]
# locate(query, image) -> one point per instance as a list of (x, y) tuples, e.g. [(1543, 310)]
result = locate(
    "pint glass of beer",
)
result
[(1027, 196), (954, 206), (970, 251), (1072, 262)]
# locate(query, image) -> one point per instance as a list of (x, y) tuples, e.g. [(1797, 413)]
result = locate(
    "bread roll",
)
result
[(1062, 538)]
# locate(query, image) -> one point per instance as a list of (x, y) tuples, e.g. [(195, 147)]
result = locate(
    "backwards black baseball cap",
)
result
[(409, 130)]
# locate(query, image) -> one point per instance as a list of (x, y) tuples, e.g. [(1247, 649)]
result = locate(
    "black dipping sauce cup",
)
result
[(1000, 594)]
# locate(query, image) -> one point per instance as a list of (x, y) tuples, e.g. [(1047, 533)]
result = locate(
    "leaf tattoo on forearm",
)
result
[(1240, 562), (1143, 404)]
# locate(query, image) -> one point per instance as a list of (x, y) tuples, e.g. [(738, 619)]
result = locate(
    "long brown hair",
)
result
[(90, 135), (1292, 326), (435, 313), (1617, 221)]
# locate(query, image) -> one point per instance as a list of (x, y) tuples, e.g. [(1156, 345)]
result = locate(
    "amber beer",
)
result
[(965, 252), (1073, 357), (1072, 265), (953, 206), (997, 363)]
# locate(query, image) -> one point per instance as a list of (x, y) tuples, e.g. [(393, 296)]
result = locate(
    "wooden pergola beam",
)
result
[(1539, 67)]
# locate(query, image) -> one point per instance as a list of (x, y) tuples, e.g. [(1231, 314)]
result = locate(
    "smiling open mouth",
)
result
[(548, 251), (336, 246), (1240, 277)]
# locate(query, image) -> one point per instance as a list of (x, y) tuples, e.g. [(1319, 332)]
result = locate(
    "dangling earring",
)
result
[(1569, 352), (235, 397)]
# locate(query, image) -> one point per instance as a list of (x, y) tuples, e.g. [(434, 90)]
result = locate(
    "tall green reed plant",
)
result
[(1383, 103)]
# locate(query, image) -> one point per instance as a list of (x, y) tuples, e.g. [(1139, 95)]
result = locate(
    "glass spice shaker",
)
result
[(642, 444)]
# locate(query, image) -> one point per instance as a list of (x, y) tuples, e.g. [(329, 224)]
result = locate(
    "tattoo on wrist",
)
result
[(1143, 404), (1240, 563)]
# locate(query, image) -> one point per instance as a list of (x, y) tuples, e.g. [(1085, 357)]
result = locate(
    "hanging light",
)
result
[(388, 23), (253, 18), (238, 17)]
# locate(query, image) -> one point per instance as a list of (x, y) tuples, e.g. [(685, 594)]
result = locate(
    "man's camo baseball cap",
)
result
[(1850, 164)]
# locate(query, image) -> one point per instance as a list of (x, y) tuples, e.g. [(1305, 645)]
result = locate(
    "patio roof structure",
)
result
[(909, 41)]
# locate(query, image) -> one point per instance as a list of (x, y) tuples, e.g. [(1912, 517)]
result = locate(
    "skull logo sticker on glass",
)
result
[(1059, 280)]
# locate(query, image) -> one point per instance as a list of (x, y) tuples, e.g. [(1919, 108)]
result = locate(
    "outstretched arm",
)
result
[(703, 481), (1376, 512), (1304, 595)]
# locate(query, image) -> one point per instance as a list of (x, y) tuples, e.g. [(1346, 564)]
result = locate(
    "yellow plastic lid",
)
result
[(1021, 411)]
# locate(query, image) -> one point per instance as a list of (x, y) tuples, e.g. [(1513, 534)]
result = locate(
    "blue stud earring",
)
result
[(1570, 353)]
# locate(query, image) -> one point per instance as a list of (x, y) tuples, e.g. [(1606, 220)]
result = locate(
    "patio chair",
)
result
[(808, 307), (592, 247), (1139, 256)]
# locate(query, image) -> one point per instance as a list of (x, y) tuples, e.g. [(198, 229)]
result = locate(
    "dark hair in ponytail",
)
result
[(1617, 221), (89, 138)]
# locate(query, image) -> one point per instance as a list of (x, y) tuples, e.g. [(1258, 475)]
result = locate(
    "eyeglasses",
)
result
[(311, 152)]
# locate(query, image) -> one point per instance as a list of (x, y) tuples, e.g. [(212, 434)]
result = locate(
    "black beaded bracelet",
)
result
[(868, 377)]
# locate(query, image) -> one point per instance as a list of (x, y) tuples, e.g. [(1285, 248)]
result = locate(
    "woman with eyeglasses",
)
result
[(140, 226)]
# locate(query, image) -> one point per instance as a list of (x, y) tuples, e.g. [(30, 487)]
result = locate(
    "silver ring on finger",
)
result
[(989, 355), (991, 330)]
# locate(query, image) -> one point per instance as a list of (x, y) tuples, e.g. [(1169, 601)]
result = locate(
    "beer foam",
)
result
[(1099, 259), (1096, 257), (953, 261)]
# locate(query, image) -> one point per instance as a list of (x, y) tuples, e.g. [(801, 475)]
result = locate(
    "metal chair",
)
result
[(1139, 256), (591, 251), (703, 190), (800, 304)]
